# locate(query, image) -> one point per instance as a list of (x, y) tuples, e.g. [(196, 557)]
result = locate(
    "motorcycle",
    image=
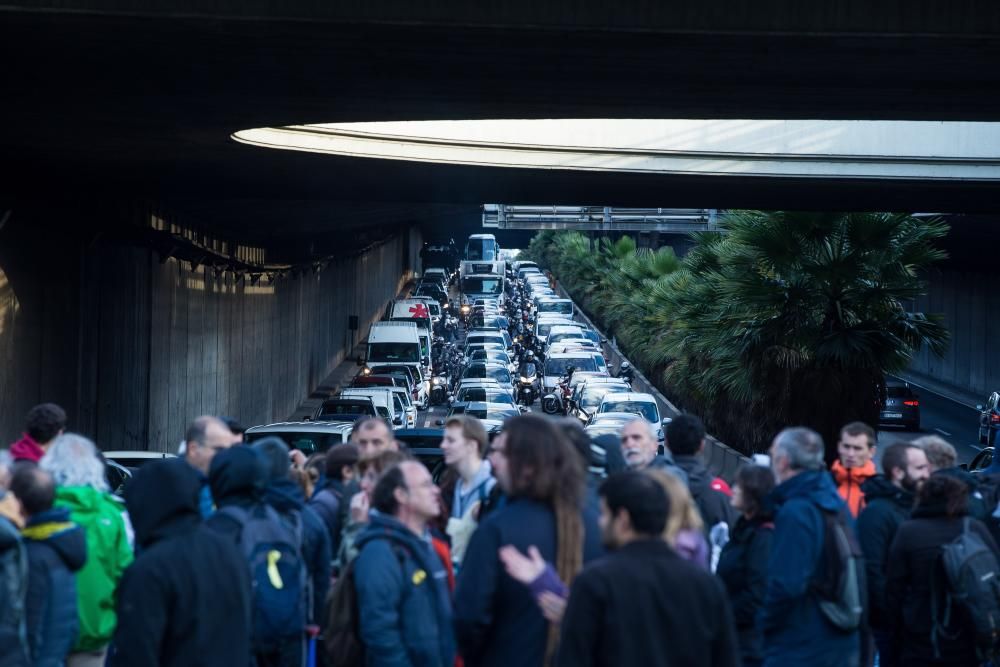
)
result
[(527, 388), (439, 390), (556, 402)]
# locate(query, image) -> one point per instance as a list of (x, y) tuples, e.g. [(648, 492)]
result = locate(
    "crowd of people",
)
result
[(520, 551)]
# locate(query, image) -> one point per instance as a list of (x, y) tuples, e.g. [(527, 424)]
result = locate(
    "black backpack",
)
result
[(972, 582), (342, 635), (841, 587)]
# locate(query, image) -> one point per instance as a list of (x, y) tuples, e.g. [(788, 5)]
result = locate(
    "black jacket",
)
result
[(743, 569), (913, 572), (57, 549), (645, 605), (285, 496), (13, 588), (887, 507), (713, 505), (185, 601), (497, 621), (326, 502)]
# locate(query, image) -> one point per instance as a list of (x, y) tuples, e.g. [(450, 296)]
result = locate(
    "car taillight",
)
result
[(912, 404), (994, 417)]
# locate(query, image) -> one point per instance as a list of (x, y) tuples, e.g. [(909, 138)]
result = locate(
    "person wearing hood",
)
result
[(796, 632), (43, 424), (185, 601), (889, 500), (13, 573), (81, 488), (855, 464), (404, 605), (686, 440), (639, 446), (286, 497), (57, 549)]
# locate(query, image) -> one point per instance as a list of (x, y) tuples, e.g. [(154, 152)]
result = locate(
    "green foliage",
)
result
[(783, 318)]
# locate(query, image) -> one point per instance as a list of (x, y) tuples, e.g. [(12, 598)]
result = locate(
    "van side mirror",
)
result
[(398, 421), (665, 421)]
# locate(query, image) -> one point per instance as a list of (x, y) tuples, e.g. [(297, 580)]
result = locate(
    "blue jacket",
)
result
[(403, 598), (795, 631), (497, 621), (13, 588), (56, 549)]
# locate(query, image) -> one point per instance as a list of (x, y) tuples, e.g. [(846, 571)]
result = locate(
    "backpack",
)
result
[(841, 589), (972, 581), (272, 545), (989, 495), (342, 635)]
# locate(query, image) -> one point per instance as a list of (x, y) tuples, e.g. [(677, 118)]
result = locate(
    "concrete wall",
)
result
[(970, 306), (134, 348)]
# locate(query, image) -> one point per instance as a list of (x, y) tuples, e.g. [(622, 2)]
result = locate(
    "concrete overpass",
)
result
[(150, 263)]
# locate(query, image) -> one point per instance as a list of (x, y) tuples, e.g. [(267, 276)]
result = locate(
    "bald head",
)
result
[(206, 436)]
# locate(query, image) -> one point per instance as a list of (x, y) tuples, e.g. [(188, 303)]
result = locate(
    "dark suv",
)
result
[(901, 406), (989, 419)]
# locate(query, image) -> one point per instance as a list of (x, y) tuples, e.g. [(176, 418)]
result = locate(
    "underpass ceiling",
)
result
[(102, 104)]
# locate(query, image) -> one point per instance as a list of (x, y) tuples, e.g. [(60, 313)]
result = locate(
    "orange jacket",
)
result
[(849, 481)]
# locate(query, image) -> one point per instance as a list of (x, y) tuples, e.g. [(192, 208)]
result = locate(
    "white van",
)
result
[(382, 399), (401, 343)]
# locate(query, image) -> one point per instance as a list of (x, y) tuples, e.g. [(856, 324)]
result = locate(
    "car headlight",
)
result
[(446, 306), (437, 380), (366, 371), (524, 379), (466, 309)]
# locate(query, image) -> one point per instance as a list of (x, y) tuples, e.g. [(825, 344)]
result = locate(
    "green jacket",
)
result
[(108, 554)]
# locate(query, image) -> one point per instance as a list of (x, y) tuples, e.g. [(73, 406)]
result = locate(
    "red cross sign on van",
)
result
[(419, 310)]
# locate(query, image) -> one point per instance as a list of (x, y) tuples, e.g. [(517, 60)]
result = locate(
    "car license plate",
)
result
[(892, 415)]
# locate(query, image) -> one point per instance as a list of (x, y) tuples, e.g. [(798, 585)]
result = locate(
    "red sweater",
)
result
[(26, 449)]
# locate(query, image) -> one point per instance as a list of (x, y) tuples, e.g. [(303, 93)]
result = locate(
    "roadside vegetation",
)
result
[(783, 318)]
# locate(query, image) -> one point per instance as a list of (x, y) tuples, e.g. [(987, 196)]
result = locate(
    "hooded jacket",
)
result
[(849, 481), (795, 631), (713, 505), (13, 589), (887, 506), (26, 449), (913, 578), (56, 549), (665, 461), (326, 502), (237, 477), (497, 621), (285, 496), (743, 569), (185, 601), (403, 598), (108, 554)]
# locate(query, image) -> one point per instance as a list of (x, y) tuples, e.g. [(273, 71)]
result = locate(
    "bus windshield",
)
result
[(474, 285)]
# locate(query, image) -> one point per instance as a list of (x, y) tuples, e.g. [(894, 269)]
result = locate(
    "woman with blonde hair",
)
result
[(685, 530)]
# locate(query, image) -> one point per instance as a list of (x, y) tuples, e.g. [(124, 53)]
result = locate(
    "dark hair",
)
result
[(755, 483), (44, 422), (274, 453), (344, 454), (234, 426), (945, 490), (34, 487), (896, 455), (685, 435), (370, 422), (384, 494), (642, 497), (860, 428)]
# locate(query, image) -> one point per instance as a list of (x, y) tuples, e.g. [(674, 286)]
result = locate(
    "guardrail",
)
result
[(670, 220), (721, 459)]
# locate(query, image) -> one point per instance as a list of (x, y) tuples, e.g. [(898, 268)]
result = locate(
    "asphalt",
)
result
[(950, 415)]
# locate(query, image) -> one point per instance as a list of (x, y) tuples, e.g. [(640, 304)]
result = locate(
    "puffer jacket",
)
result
[(796, 632), (13, 588), (713, 505), (849, 481), (887, 506), (108, 554), (57, 549), (403, 598)]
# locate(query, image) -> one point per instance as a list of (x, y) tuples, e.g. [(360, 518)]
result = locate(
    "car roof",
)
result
[(129, 454), (630, 396), (569, 355), (612, 416), (303, 427)]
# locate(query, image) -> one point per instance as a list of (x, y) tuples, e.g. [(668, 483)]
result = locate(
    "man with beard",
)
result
[(889, 499), (611, 601)]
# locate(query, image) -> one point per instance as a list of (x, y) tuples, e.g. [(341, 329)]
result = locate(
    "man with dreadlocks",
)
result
[(497, 621)]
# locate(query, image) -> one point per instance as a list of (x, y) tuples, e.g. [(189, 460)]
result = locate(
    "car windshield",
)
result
[(490, 355), (482, 286), (307, 443), (406, 371), (559, 366), (556, 337), (497, 415), (563, 307), (592, 395), (898, 392), (345, 408), (646, 409), (482, 395), (403, 352), (545, 327)]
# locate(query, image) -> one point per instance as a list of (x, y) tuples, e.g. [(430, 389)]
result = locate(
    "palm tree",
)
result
[(795, 319)]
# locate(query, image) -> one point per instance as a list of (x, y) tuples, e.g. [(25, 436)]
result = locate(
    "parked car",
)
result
[(989, 419), (119, 466), (901, 406)]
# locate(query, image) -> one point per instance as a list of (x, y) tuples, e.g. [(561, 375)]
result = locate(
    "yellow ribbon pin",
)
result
[(272, 569), (418, 577)]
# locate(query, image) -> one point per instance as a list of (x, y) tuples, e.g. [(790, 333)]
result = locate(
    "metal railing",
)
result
[(675, 220)]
